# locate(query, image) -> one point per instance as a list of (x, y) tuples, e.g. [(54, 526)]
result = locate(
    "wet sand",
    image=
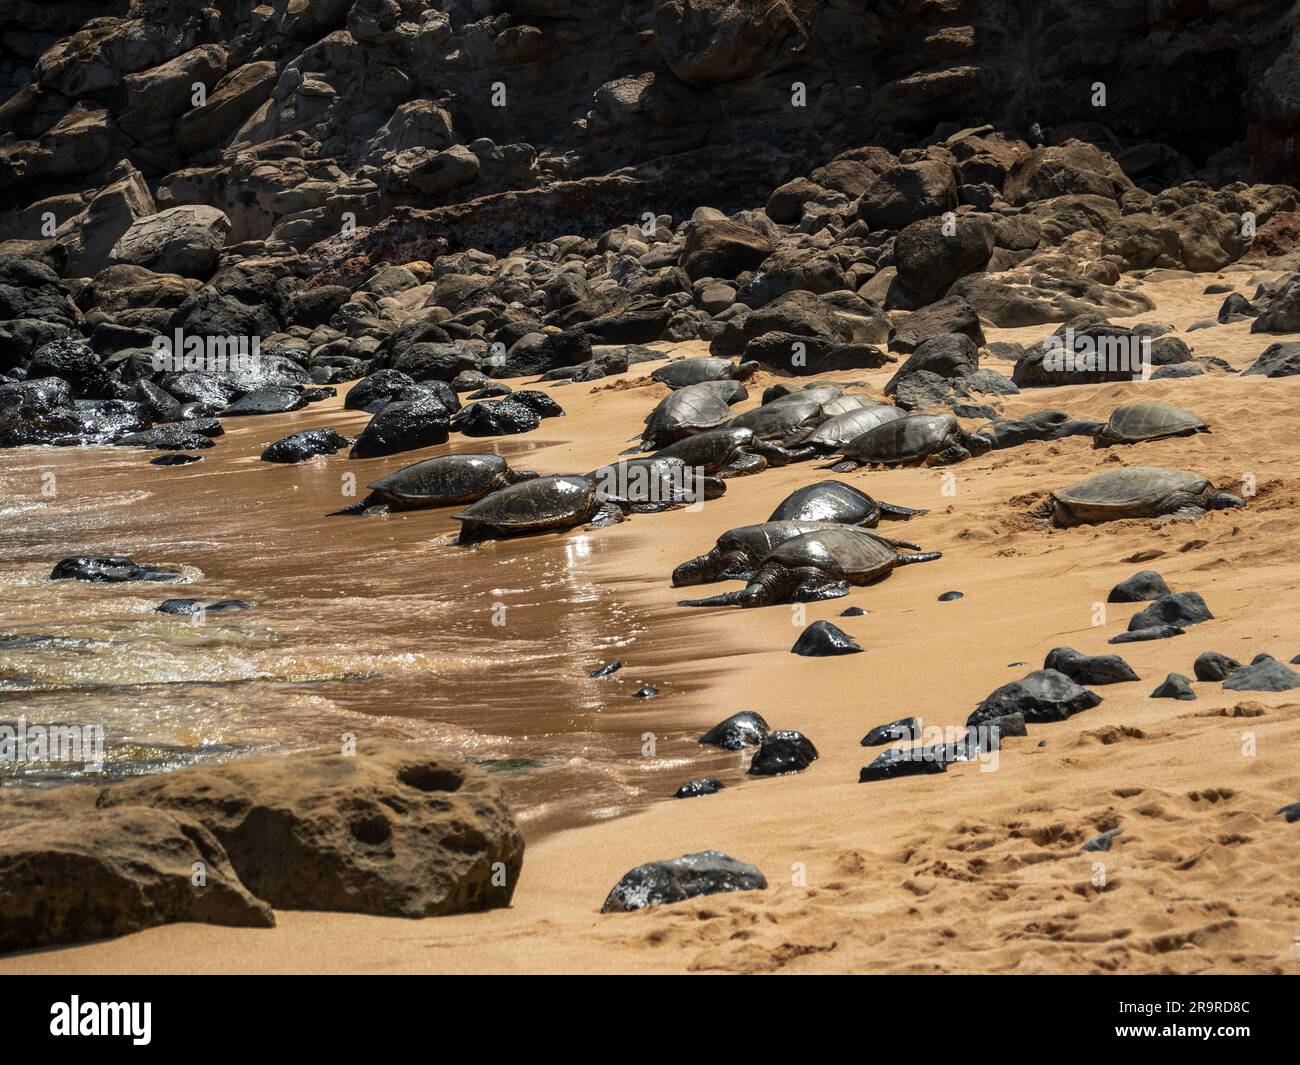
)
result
[(972, 871)]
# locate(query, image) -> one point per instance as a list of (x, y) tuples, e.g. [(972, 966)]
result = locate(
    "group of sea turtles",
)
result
[(821, 538)]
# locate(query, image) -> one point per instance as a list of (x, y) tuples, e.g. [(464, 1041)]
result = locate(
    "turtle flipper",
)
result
[(744, 463), (896, 544), (846, 466), (356, 508), (607, 514), (918, 556), (812, 590), (948, 456), (751, 595), (893, 510)]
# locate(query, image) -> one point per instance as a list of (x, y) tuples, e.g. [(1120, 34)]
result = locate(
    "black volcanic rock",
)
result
[(702, 873), (783, 752), (821, 639)]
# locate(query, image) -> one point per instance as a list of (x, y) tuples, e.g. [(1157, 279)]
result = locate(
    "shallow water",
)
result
[(373, 625)]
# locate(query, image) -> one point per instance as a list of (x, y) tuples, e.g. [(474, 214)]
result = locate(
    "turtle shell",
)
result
[(645, 479), (693, 371), (711, 449), (446, 479), (833, 434), (779, 417), (688, 410), (841, 552), (538, 504), (761, 540), (1135, 422), (831, 501), (845, 404), (904, 440), (1131, 492)]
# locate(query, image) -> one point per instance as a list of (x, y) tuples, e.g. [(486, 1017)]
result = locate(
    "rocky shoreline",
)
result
[(218, 221)]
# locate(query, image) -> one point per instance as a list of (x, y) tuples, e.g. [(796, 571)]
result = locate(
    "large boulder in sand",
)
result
[(907, 193), (1072, 168), (183, 240), (397, 829), (71, 873), (719, 247)]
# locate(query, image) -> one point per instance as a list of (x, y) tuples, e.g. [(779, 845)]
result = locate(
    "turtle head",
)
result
[(516, 476), (745, 370), (1224, 500)]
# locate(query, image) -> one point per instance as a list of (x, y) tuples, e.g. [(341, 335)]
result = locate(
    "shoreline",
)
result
[(966, 872)]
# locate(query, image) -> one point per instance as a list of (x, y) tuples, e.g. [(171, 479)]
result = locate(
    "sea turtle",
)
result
[(727, 452), (1136, 492), (737, 552), (783, 393), (686, 372), (652, 483), (1135, 422), (686, 411), (439, 482), (535, 505), (932, 439), (838, 430), (847, 403), (817, 565), (837, 502), (787, 419)]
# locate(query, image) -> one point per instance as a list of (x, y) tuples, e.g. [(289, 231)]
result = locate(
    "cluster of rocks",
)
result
[(392, 829)]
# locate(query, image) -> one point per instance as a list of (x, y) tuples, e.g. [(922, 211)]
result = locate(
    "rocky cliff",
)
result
[(293, 116)]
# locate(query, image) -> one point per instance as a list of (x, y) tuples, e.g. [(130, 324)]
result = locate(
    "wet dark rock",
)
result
[(174, 437), (821, 638), (1291, 813), (492, 390), (305, 445), (1144, 585), (403, 426), (607, 669), (1174, 686), (503, 417), (1102, 842), (1089, 669), (1044, 695), (373, 392), (782, 752), (1180, 609), (539, 403), (109, 568), (645, 693), (853, 612), (949, 597), (158, 405), (174, 459), (1155, 632), (316, 395), (1211, 665), (266, 401), (905, 728), (660, 883), (1264, 674), (1236, 308), (1007, 725), (745, 729), (703, 786), (895, 763)]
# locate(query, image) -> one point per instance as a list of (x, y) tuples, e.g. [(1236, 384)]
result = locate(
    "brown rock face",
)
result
[(396, 829), (88, 874)]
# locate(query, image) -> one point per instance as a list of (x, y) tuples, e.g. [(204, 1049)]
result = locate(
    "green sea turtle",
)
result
[(932, 439), (728, 452), (1135, 422), (847, 403), (534, 506), (738, 552), (835, 432), (789, 419), (837, 502), (439, 482), (817, 565), (686, 372), (648, 484), (686, 411), (1135, 492)]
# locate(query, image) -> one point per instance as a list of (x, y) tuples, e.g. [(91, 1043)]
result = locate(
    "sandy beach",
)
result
[(980, 872)]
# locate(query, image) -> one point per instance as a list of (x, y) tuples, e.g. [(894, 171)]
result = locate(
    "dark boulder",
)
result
[(702, 873)]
